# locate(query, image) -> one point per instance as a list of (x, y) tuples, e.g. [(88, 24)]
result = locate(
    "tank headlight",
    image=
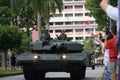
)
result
[(36, 57), (63, 56)]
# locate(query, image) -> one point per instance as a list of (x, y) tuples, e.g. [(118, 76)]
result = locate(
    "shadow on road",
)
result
[(57, 79), (88, 78)]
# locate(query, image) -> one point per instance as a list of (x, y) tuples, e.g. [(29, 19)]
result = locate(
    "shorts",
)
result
[(112, 67)]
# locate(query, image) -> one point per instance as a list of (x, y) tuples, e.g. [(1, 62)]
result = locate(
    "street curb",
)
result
[(103, 76), (4, 75)]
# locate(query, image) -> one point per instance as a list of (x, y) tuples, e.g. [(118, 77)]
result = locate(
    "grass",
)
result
[(2, 71)]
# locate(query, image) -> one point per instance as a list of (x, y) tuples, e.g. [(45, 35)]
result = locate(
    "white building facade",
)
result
[(74, 20)]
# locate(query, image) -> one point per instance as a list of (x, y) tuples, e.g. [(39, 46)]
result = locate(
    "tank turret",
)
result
[(48, 55)]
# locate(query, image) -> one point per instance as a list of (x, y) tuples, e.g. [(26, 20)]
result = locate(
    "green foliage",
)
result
[(97, 12), (98, 54), (89, 45), (44, 7), (5, 16), (5, 3), (10, 37), (24, 45), (27, 9)]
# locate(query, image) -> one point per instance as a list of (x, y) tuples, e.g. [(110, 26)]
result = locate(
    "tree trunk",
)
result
[(39, 25), (4, 59)]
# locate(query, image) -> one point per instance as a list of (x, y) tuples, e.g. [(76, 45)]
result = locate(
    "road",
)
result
[(90, 75)]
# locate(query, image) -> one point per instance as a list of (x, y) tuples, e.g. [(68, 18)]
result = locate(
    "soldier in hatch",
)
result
[(63, 36), (45, 35)]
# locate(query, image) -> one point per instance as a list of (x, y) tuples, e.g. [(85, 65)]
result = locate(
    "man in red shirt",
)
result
[(111, 45)]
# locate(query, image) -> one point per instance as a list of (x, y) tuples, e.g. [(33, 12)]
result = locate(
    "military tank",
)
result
[(53, 56)]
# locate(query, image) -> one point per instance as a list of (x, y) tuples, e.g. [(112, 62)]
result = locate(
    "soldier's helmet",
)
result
[(62, 31)]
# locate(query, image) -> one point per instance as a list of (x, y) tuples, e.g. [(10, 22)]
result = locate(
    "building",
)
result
[(74, 20)]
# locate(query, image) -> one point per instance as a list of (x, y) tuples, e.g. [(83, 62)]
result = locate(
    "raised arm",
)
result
[(98, 40), (110, 10), (104, 4)]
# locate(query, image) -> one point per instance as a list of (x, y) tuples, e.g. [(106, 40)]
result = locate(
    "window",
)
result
[(78, 14), (51, 23), (69, 15), (79, 30), (78, 0), (79, 38), (78, 6), (58, 23), (58, 15), (78, 22), (70, 38), (51, 31), (89, 30), (68, 7), (91, 22), (68, 0), (68, 23), (86, 14), (96, 29), (69, 30), (57, 31), (88, 37)]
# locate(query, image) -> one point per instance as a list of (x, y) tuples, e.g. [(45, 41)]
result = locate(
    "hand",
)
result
[(92, 34), (105, 37), (106, 1)]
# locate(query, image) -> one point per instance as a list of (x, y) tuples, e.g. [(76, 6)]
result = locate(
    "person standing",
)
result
[(13, 62), (108, 36), (112, 12), (113, 55)]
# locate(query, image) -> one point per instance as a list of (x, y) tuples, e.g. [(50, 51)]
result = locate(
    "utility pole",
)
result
[(110, 21)]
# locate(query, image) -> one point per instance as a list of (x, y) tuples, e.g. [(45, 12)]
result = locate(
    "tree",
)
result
[(24, 45), (50, 9), (89, 45), (5, 16), (42, 8), (4, 3), (10, 37), (95, 11), (23, 14)]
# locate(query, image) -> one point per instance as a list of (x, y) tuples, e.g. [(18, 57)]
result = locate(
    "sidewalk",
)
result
[(3, 75), (101, 76)]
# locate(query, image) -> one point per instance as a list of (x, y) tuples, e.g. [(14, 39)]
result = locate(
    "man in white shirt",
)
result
[(112, 12)]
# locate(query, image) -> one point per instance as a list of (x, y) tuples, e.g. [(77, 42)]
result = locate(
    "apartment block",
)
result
[(75, 20)]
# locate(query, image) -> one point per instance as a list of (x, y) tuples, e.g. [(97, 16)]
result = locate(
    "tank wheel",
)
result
[(84, 72), (78, 73), (75, 75), (31, 74), (93, 67)]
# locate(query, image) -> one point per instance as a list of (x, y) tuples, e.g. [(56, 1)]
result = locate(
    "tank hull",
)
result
[(73, 63), (54, 61)]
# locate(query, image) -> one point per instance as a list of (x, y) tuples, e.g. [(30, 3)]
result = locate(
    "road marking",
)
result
[(100, 76)]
